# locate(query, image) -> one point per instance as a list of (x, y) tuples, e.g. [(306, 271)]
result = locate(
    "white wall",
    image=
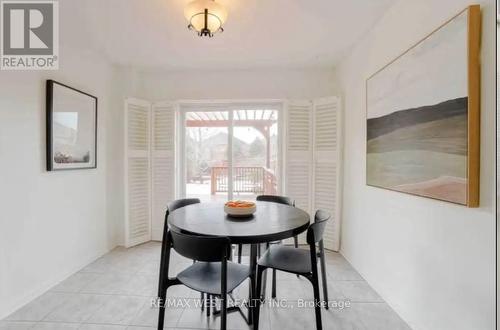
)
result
[(51, 223), (123, 86), (245, 84), (432, 261)]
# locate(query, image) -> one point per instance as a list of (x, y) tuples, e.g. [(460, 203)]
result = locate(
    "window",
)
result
[(229, 151)]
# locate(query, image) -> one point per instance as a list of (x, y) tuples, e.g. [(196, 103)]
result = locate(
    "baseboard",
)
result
[(46, 286)]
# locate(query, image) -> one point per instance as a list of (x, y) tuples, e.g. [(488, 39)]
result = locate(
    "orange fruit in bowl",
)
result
[(240, 209), (240, 204)]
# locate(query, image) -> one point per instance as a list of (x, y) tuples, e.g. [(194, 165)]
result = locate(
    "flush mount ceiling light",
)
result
[(206, 17)]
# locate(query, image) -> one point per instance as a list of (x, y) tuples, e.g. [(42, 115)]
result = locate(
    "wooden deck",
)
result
[(248, 179)]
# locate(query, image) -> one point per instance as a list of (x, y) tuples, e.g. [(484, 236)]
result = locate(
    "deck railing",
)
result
[(247, 179)]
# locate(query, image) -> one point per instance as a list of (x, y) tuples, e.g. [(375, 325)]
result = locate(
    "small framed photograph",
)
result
[(71, 128)]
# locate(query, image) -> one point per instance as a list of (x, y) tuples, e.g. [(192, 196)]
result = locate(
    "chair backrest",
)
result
[(276, 199), (321, 215), (201, 248), (178, 203), (172, 206), (316, 230)]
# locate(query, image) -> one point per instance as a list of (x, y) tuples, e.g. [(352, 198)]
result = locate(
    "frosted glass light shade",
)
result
[(195, 13)]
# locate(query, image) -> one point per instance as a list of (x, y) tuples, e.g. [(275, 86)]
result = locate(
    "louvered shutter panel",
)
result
[(298, 154), (163, 164), (137, 172), (326, 165)]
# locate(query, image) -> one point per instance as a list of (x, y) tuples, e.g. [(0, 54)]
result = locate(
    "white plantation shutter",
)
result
[(326, 165), (163, 163), (137, 172), (298, 154)]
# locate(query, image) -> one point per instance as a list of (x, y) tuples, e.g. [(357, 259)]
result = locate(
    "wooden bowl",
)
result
[(240, 212)]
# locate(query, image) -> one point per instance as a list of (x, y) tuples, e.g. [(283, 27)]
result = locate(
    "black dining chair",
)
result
[(274, 199), (172, 206), (321, 216), (212, 273), (295, 261), (281, 200)]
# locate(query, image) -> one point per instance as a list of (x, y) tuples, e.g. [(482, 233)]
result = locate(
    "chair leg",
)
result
[(240, 247), (223, 295), (256, 313), (273, 293), (161, 313), (209, 304), (264, 284), (252, 299), (161, 279), (317, 300), (317, 306), (296, 244), (314, 278), (162, 295), (323, 273), (162, 276), (223, 309)]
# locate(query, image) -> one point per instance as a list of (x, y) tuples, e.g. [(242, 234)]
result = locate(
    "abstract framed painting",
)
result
[(71, 123), (423, 116)]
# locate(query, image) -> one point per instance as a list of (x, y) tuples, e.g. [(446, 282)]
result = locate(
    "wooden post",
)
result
[(212, 180), (268, 146)]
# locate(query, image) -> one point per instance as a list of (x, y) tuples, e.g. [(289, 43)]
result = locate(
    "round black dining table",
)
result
[(271, 222)]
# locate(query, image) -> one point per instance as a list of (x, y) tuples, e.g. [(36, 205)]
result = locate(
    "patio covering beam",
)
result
[(225, 123)]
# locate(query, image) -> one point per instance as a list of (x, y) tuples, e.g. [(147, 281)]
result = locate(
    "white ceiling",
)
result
[(258, 33)]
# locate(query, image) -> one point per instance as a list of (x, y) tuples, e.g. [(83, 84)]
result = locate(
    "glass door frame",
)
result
[(229, 106)]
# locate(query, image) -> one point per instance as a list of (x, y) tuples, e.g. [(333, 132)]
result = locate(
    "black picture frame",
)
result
[(51, 86)]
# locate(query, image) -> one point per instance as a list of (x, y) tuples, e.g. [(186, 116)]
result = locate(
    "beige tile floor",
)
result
[(115, 292)]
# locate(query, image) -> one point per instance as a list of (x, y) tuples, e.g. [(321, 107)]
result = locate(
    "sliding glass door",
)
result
[(206, 154), (230, 152), (255, 153)]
